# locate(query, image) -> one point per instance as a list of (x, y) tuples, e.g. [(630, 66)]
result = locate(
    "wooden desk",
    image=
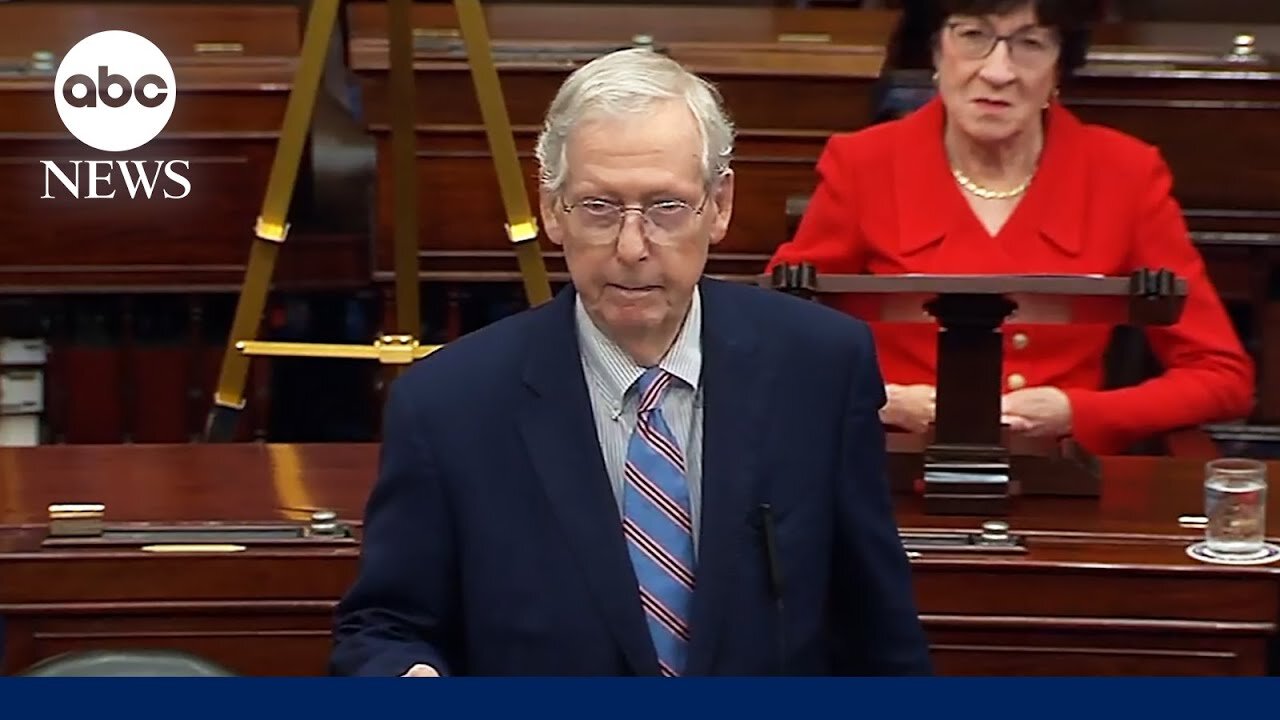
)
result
[(234, 66), (789, 78), (263, 611), (137, 292), (1104, 587)]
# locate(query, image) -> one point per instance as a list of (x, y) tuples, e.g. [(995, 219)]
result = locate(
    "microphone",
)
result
[(774, 566)]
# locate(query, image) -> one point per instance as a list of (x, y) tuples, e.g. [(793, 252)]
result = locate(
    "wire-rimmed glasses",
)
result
[(597, 221)]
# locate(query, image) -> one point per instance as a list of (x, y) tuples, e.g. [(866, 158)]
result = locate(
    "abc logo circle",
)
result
[(114, 91)]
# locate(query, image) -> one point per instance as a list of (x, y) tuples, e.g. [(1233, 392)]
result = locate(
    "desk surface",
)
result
[(232, 482), (1103, 587), (1141, 503)]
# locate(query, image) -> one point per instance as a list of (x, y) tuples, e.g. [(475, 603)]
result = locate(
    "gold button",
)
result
[(1020, 341), (1017, 382)]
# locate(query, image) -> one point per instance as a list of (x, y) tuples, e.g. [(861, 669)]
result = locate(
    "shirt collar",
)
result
[(616, 372)]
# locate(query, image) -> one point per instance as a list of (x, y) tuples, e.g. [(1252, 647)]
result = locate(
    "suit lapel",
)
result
[(928, 204), (734, 390), (560, 435), (1064, 177)]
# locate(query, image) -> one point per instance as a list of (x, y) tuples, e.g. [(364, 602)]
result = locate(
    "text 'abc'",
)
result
[(101, 90)]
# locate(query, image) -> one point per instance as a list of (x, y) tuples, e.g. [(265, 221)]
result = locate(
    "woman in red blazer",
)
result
[(995, 176)]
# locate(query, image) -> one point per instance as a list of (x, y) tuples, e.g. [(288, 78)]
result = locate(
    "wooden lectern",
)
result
[(970, 466)]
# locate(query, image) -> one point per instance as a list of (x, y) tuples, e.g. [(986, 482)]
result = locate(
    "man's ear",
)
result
[(547, 202), (722, 199)]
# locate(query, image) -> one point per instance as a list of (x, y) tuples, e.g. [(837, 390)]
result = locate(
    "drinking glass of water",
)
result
[(1235, 502)]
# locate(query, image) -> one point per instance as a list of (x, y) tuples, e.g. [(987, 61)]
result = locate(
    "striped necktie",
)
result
[(658, 524)]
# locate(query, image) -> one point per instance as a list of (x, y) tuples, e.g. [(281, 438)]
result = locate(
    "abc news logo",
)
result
[(101, 90), (115, 92)]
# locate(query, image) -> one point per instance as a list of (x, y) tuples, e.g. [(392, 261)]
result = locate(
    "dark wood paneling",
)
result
[(464, 215), (226, 122), (1055, 590), (1269, 359), (1242, 12), (1164, 652), (786, 98), (665, 22), (1212, 132), (297, 632), (264, 29), (1104, 587)]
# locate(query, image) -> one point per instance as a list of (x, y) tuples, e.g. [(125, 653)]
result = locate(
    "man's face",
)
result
[(636, 272)]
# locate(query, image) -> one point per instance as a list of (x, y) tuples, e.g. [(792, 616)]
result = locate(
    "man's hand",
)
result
[(1037, 412), (910, 407), (421, 670)]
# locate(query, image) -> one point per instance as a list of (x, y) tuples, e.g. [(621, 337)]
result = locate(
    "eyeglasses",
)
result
[(1030, 47), (596, 221)]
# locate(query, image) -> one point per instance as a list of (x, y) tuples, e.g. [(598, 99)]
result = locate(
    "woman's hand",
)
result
[(910, 407), (1037, 412)]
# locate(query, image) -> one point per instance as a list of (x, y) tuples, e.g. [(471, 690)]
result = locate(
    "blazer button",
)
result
[(1020, 341), (1017, 381)]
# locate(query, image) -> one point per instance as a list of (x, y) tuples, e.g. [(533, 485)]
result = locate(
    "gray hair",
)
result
[(630, 81)]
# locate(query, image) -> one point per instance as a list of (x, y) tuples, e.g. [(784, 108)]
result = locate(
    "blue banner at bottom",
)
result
[(660, 699)]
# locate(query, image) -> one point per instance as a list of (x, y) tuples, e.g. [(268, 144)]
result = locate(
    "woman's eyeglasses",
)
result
[(1031, 47)]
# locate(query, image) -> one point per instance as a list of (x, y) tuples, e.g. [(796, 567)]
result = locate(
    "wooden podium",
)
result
[(970, 466)]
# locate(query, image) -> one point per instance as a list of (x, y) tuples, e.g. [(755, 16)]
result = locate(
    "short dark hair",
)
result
[(1072, 19)]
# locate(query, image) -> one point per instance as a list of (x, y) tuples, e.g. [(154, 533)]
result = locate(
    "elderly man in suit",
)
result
[(655, 473)]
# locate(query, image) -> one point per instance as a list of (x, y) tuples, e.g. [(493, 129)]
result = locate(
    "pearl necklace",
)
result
[(986, 194)]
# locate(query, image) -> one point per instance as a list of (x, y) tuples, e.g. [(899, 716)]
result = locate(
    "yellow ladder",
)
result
[(272, 226)]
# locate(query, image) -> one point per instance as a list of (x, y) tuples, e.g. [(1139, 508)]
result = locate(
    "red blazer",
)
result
[(886, 203)]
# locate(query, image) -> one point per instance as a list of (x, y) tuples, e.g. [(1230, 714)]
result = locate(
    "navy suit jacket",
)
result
[(493, 544)]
